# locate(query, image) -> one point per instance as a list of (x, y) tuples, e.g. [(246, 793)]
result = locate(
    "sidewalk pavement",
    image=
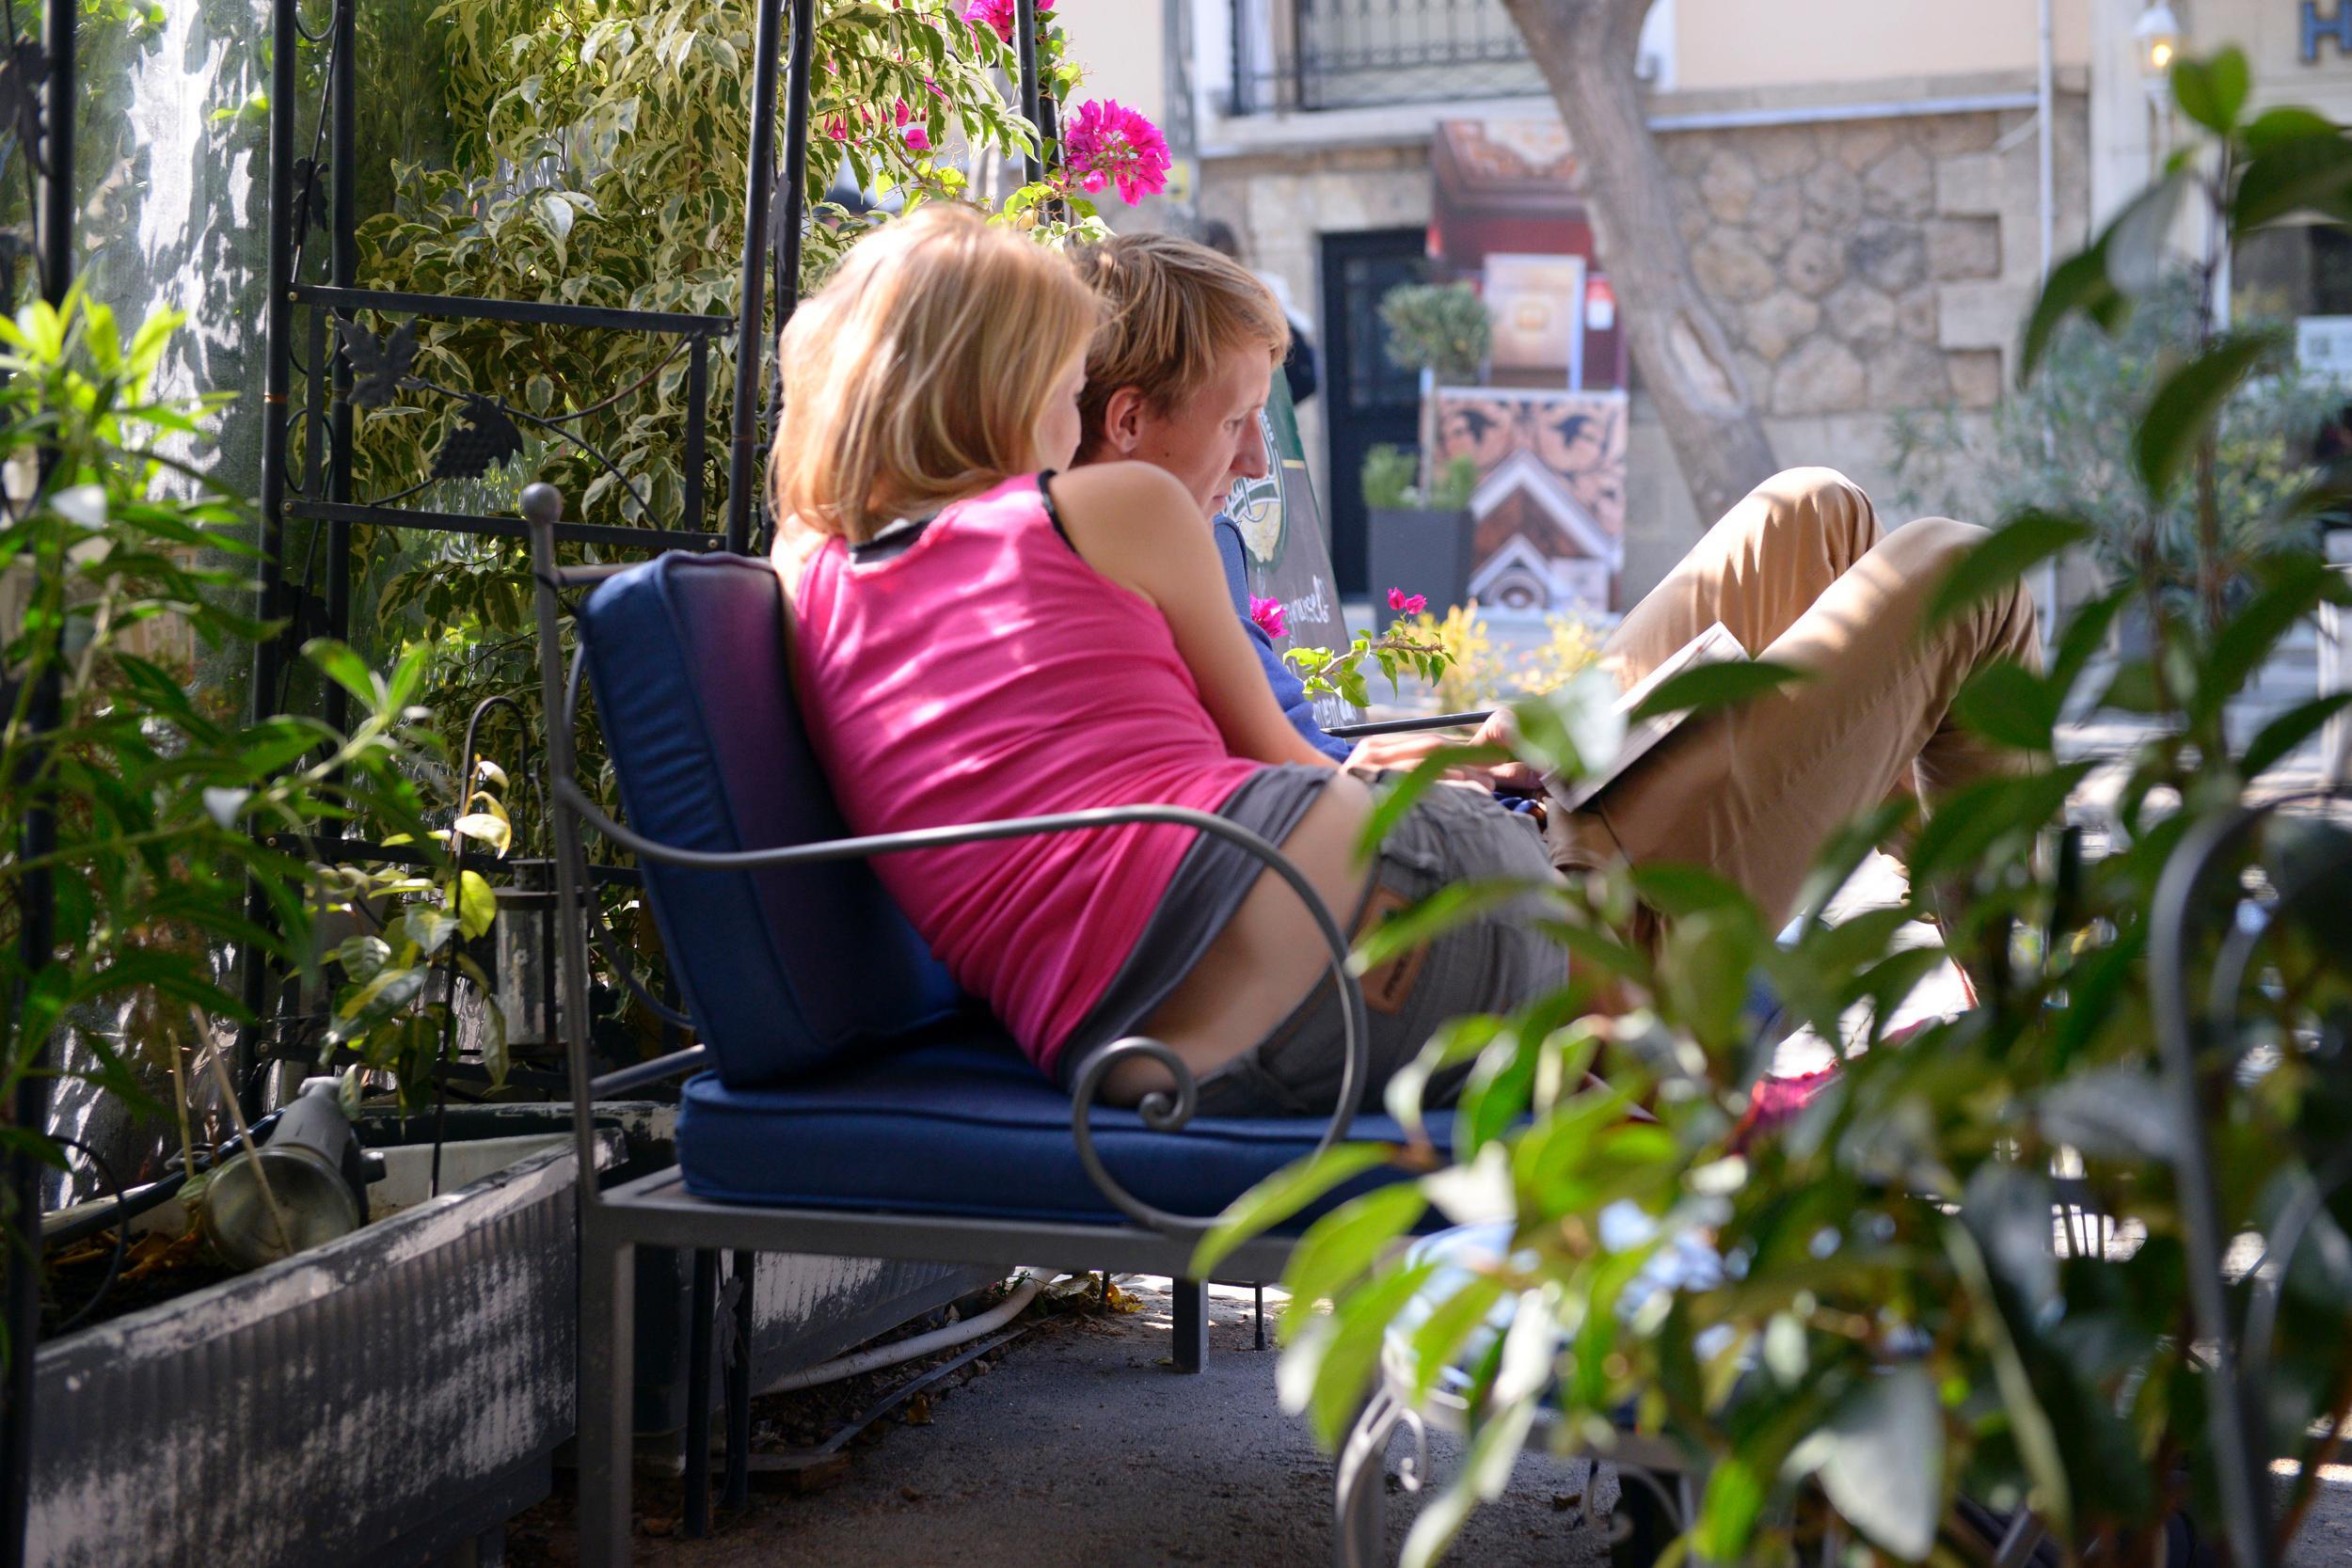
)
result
[(1082, 1447)]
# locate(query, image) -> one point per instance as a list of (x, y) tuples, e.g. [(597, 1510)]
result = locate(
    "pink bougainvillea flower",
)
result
[(899, 113), (836, 128), (1268, 613), (1411, 604), (918, 139), (996, 15), (1107, 141)]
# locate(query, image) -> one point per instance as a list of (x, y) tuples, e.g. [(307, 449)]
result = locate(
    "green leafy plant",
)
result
[(156, 810), (1892, 1326), (1439, 328), (2064, 440), (1326, 671), (1389, 479)]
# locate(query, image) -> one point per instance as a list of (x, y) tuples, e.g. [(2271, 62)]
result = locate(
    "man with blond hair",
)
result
[(1800, 572)]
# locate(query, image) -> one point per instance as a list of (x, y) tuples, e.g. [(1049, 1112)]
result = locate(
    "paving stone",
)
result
[(1971, 185), (1916, 313), (1777, 321), (1962, 247), (1833, 197), (1729, 186), (1947, 135), (1781, 151), (1893, 256), (1908, 375), (1775, 218), (1729, 269), (1823, 376), (1861, 143), (1860, 314), (1975, 376), (1901, 185), (1981, 316), (1813, 264)]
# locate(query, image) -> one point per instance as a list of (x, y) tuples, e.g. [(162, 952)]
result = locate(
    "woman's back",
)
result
[(985, 671)]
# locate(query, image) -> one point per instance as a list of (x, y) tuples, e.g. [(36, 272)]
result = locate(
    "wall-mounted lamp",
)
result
[(2157, 37)]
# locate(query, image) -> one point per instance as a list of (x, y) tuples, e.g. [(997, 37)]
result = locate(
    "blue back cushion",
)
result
[(787, 970)]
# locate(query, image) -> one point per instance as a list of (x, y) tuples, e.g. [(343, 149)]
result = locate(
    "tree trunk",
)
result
[(1586, 50)]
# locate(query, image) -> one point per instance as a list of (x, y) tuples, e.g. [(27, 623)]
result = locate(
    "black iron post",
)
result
[(269, 654), (343, 95), (37, 895), (751, 334), (1025, 45)]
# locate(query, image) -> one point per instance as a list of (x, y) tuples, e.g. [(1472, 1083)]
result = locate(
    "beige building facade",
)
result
[(1862, 183)]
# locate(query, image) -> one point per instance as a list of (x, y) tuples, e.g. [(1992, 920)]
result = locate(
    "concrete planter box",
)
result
[(1427, 553), (386, 1399)]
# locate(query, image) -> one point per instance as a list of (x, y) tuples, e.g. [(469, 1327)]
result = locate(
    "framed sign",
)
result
[(1287, 548)]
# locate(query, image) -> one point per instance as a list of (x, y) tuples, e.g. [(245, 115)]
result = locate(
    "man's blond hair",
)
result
[(918, 373), (1170, 307)]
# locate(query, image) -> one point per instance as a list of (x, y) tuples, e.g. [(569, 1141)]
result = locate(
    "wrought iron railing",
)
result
[(1291, 55)]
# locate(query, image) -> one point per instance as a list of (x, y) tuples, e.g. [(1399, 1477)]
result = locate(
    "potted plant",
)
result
[(1976, 1281), (1422, 538), (418, 1369)]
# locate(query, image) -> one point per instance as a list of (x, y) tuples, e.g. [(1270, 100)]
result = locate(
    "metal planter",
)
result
[(386, 1398)]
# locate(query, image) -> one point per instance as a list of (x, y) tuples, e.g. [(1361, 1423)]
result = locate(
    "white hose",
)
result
[(1031, 1281)]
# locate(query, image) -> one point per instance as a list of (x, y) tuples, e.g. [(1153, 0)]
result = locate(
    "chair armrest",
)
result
[(1159, 1110)]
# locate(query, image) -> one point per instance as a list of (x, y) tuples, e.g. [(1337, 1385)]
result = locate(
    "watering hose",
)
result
[(1031, 1281)]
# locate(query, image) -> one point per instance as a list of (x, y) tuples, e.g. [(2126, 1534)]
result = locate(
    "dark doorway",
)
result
[(1366, 399)]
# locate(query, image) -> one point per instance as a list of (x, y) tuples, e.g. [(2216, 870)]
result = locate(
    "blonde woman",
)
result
[(981, 636)]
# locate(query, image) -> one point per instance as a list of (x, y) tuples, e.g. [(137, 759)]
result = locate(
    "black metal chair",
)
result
[(842, 1103)]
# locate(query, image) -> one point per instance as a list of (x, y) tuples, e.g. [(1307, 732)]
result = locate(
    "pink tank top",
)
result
[(988, 672)]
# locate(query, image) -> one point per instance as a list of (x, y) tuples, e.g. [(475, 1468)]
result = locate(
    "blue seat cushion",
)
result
[(786, 969), (967, 1127)]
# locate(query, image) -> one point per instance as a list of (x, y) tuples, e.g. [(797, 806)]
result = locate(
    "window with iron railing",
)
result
[(1292, 55)]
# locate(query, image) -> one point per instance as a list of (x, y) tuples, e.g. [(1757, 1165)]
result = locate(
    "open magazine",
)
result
[(1715, 645)]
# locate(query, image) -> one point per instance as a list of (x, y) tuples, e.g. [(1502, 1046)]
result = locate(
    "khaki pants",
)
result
[(1802, 573)]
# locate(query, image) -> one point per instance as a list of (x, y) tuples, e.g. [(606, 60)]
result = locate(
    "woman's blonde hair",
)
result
[(919, 371)]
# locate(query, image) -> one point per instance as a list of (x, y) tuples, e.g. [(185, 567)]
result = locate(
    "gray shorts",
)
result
[(1492, 964)]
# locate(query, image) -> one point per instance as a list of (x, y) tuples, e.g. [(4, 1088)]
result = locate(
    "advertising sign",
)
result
[(1287, 548)]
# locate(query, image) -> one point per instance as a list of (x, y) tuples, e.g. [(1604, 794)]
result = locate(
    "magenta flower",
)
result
[(1268, 613), (1107, 141), (836, 128), (918, 139), (996, 15), (1410, 604)]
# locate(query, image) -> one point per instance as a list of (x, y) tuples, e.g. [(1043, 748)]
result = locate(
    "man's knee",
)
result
[(1821, 500), (1934, 544)]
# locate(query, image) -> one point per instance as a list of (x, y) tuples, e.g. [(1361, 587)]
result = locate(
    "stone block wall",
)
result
[(1861, 266), (1873, 264)]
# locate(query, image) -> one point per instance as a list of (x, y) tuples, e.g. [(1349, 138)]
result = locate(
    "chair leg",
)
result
[(739, 1487), (608, 1300), (1257, 1315), (698, 1338), (1192, 1324), (1360, 1485)]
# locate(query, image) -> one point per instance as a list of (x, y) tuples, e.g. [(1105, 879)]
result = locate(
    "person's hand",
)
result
[(1403, 752), (1406, 750), (1501, 731)]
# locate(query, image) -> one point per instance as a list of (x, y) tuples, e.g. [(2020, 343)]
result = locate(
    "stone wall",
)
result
[(1861, 266), (1873, 264)]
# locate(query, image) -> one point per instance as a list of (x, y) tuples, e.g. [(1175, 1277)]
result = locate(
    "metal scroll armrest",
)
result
[(1161, 1112)]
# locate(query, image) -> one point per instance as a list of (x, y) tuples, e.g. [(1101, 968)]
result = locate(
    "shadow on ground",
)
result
[(1078, 1446)]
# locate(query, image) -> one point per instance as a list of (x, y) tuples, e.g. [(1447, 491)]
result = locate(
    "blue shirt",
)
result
[(1289, 692)]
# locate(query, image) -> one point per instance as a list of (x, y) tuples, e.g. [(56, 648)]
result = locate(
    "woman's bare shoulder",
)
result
[(1113, 492)]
